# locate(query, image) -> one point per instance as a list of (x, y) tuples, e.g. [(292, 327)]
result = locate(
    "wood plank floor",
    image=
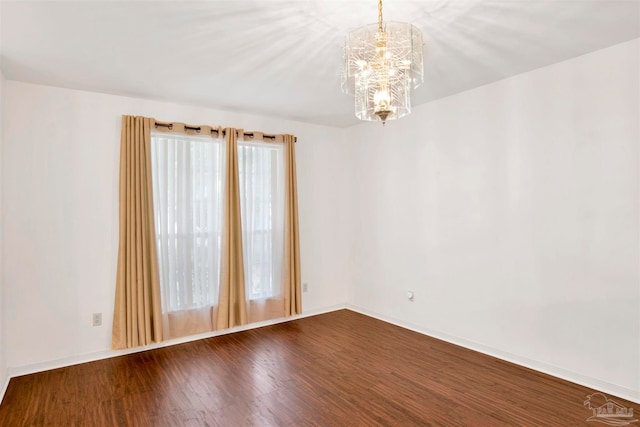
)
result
[(335, 369)]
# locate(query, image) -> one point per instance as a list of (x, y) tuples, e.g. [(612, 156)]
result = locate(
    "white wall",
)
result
[(3, 347), (61, 159), (511, 211)]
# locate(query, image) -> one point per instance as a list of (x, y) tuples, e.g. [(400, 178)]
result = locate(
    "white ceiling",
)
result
[(282, 58)]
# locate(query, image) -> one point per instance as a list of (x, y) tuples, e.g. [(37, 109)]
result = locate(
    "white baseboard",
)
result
[(590, 382), (17, 371), (5, 384)]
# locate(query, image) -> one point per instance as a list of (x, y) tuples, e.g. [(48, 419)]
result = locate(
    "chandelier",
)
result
[(382, 63)]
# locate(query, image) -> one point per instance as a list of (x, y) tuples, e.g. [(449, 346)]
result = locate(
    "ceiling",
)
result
[(282, 58)]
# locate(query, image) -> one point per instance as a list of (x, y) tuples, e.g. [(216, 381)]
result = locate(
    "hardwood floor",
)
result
[(335, 369)]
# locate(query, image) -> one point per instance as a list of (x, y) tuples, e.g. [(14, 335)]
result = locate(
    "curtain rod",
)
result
[(198, 128)]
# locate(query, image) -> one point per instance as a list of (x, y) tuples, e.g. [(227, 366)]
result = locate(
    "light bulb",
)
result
[(381, 99)]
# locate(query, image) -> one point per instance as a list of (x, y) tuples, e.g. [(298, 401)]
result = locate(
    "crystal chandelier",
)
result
[(382, 63)]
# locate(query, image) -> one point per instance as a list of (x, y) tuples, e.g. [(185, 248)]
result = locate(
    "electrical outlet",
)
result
[(305, 287), (97, 319)]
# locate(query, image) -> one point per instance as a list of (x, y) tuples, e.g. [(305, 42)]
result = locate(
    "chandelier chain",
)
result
[(380, 15)]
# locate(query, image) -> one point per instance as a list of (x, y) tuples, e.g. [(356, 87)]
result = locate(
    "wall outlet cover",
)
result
[(97, 319)]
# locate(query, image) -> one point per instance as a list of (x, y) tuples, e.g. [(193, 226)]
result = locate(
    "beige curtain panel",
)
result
[(138, 317), (232, 309), (293, 294)]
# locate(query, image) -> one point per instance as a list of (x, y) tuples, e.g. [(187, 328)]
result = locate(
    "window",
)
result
[(261, 173), (188, 176)]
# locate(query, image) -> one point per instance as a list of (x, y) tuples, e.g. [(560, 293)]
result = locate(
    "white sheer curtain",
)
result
[(261, 172), (188, 173)]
